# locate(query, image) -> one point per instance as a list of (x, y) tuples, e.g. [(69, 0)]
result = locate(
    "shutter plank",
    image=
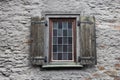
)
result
[(87, 41), (37, 46)]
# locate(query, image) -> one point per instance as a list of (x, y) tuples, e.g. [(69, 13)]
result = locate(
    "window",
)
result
[(67, 40), (62, 39)]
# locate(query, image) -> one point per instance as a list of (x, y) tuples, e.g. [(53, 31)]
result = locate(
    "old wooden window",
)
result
[(71, 41)]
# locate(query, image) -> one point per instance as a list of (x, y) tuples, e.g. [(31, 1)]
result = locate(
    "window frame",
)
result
[(61, 15)]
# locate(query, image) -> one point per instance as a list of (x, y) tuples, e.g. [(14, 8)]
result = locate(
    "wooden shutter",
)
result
[(87, 41), (37, 36)]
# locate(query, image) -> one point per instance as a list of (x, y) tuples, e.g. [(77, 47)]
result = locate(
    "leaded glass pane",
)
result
[(55, 56), (59, 40), (65, 40), (69, 56), (69, 40), (65, 25), (60, 25), (59, 56), (59, 32), (64, 32), (55, 25), (55, 40), (65, 48), (69, 48), (70, 25), (65, 56), (69, 32), (59, 48), (54, 48), (54, 32)]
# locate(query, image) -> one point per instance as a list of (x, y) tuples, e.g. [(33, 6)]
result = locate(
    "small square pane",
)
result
[(65, 56), (65, 25), (69, 32), (65, 48), (59, 32), (59, 25), (69, 40), (55, 25), (65, 40), (54, 48), (69, 56), (55, 56), (64, 32), (54, 40), (69, 25), (59, 40), (59, 48), (54, 32), (59, 56), (69, 48)]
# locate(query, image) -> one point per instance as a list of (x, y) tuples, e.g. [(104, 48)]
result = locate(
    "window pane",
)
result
[(54, 32), (59, 48), (55, 25), (64, 48), (60, 25), (69, 32), (69, 48), (69, 40), (55, 56), (69, 56), (59, 32), (70, 25), (59, 40), (59, 56), (54, 48), (65, 40), (54, 40), (64, 32), (65, 56), (65, 25)]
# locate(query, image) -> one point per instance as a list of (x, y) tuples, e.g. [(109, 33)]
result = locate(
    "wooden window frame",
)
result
[(74, 38)]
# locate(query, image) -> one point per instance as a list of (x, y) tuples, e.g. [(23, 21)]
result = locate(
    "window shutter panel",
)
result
[(37, 36), (87, 41)]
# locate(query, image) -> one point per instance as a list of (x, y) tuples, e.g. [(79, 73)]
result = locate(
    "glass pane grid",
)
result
[(62, 41)]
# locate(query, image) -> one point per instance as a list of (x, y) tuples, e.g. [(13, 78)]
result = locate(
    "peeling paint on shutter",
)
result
[(37, 36), (87, 41)]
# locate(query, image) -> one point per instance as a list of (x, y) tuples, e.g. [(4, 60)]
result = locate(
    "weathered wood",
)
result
[(37, 46), (87, 40)]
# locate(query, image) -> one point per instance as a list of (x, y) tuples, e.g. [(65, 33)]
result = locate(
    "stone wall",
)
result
[(15, 31)]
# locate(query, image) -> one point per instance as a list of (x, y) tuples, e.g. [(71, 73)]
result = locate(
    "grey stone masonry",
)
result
[(15, 23)]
